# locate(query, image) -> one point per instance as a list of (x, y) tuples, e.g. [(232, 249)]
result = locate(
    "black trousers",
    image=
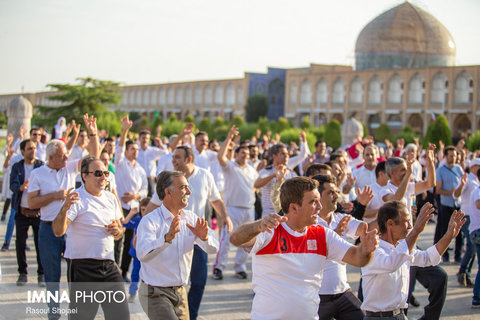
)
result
[(434, 279), (444, 215), (95, 282), (152, 185), (127, 239), (343, 306), (22, 224)]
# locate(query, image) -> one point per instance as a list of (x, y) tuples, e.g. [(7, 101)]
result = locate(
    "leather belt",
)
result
[(380, 314)]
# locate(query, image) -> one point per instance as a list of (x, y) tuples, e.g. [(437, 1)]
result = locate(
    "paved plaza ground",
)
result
[(230, 298)]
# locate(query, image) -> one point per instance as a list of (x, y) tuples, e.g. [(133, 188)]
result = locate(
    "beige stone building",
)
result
[(404, 74)]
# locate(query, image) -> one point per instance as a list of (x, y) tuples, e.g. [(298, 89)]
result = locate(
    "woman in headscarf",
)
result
[(59, 128)]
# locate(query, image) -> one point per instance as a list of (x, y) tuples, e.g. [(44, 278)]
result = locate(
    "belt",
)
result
[(380, 314), (47, 222), (331, 297)]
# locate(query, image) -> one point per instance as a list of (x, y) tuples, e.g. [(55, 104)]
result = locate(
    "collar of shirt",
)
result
[(167, 215)]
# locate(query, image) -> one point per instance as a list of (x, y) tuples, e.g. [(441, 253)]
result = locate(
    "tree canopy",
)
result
[(257, 106)]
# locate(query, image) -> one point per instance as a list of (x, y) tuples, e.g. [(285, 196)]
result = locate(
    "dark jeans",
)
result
[(152, 184), (127, 239), (475, 236), (444, 215), (51, 248), (469, 256), (90, 281), (434, 279), (343, 306), (198, 279), (23, 223)]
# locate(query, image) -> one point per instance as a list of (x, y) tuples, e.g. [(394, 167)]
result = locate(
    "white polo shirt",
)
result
[(288, 268), (386, 279), (474, 211), (364, 177), (470, 186), (129, 178), (239, 185), (164, 264), (48, 180), (203, 189), (407, 199), (148, 159), (335, 273), (87, 236)]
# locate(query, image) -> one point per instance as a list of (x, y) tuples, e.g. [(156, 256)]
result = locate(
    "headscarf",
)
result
[(60, 128)]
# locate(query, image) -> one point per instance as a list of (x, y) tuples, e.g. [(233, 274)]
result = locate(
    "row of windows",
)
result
[(463, 90), (180, 96)]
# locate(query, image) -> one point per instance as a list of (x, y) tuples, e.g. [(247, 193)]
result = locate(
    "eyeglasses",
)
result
[(99, 173)]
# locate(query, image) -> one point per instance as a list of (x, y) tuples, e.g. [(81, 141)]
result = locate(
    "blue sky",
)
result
[(157, 41)]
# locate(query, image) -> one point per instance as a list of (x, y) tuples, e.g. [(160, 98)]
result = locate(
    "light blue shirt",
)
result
[(450, 178)]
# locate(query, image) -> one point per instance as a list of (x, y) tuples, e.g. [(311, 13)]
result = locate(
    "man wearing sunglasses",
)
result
[(36, 136), (47, 190), (92, 217)]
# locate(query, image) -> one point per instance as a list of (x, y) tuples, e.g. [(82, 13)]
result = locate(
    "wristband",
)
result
[(92, 134)]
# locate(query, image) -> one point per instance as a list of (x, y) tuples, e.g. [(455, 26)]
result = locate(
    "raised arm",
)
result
[(402, 188), (222, 153), (61, 222), (431, 180), (94, 143), (245, 235), (361, 255), (455, 225), (126, 125), (75, 131), (188, 129)]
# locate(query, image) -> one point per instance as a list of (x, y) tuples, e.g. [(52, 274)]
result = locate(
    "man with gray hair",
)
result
[(165, 241), (47, 190)]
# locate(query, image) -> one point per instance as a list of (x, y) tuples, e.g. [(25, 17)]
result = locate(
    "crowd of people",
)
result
[(101, 202)]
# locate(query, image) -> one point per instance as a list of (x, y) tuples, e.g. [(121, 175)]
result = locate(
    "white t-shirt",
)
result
[(474, 211), (408, 199), (335, 273), (48, 180), (239, 185), (288, 268), (87, 236), (28, 170), (165, 163), (267, 205), (364, 177), (203, 189)]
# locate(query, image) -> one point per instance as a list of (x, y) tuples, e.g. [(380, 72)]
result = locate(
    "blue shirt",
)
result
[(450, 178), (133, 224)]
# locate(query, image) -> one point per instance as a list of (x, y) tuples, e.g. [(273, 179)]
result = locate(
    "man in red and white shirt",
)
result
[(289, 253)]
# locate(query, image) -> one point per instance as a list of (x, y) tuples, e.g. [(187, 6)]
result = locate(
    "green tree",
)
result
[(366, 133), (333, 134), (293, 134), (383, 132), (439, 130), (263, 124), (473, 142), (280, 125), (238, 121), (89, 96), (248, 130), (189, 118), (407, 134), (306, 123), (318, 132), (257, 106), (204, 125), (110, 121)]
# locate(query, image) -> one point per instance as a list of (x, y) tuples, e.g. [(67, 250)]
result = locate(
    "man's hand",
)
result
[(188, 129), (409, 164), (232, 132), (350, 181), (347, 206), (90, 123), (126, 123), (24, 186), (75, 128), (174, 229), (200, 230), (271, 222), (227, 223), (280, 172), (342, 225), (70, 198), (400, 144), (426, 213), (127, 197), (63, 194), (22, 132), (456, 222), (114, 228), (369, 241), (464, 179), (365, 196), (303, 136)]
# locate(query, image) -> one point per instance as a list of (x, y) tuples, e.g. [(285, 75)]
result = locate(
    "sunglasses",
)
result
[(99, 173)]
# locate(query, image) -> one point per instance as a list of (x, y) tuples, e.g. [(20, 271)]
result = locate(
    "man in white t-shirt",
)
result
[(47, 190), (91, 217), (376, 202), (239, 198), (386, 279), (365, 175), (132, 186), (289, 253), (336, 298)]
